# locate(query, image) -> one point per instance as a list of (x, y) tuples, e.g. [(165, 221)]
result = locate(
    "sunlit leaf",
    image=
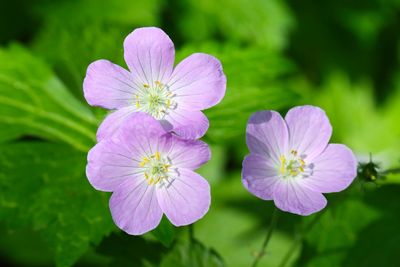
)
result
[(34, 102)]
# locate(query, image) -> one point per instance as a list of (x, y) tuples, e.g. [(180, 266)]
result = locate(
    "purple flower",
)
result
[(291, 162), (175, 97), (150, 173)]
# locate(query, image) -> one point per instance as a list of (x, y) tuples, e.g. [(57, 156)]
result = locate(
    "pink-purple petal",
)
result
[(134, 207), (198, 82), (267, 134), (291, 196), (187, 124), (112, 122), (334, 170), (189, 154), (259, 176), (149, 54), (143, 123), (142, 133), (108, 85), (110, 163), (309, 130), (186, 199)]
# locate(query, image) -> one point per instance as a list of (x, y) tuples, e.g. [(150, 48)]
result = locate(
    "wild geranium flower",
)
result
[(150, 173), (291, 162), (175, 97)]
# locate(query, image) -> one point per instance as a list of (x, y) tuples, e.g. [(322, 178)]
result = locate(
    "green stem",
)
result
[(271, 228), (191, 233)]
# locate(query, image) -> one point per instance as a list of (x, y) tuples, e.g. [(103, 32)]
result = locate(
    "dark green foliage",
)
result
[(44, 186)]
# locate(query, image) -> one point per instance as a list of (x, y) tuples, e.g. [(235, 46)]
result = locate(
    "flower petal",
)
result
[(134, 207), (143, 123), (187, 124), (334, 170), (112, 122), (291, 196), (110, 163), (142, 133), (267, 134), (309, 130), (108, 85), (259, 176), (150, 55), (186, 199), (198, 82), (189, 154)]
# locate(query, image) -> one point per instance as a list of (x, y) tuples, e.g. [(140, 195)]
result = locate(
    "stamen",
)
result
[(283, 161), (155, 100), (293, 166), (143, 162), (155, 168)]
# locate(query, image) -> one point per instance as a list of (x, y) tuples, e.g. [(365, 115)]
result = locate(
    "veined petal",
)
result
[(108, 85), (309, 130), (189, 154), (291, 196), (334, 170), (134, 207), (150, 55), (187, 124), (259, 176), (112, 122), (186, 199), (267, 134), (198, 82), (142, 133), (110, 163)]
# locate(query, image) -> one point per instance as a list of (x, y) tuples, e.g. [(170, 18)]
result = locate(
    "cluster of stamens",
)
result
[(155, 168), (155, 99), (293, 165)]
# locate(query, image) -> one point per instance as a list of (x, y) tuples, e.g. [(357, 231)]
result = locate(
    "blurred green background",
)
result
[(340, 55)]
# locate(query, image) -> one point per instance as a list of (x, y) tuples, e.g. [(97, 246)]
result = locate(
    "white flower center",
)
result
[(294, 165), (156, 168), (155, 99)]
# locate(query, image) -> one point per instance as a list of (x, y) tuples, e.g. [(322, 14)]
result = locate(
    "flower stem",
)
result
[(271, 228), (191, 234)]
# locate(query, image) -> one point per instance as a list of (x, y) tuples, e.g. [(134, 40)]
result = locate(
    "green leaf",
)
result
[(378, 243), (193, 254), (165, 232), (34, 102), (96, 41), (336, 229), (100, 27), (44, 186), (265, 23), (116, 11)]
